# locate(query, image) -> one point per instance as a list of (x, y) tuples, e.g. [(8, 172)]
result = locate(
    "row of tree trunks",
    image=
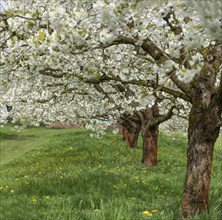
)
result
[(147, 120), (203, 132), (202, 135), (150, 142), (130, 132)]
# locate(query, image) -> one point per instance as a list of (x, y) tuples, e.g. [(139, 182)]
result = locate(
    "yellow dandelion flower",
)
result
[(1, 187), (147, 213), (12, 191), (154, 211), (34, 200), (114, 186)]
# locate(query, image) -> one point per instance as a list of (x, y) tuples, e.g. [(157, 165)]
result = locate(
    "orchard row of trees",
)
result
[(132, 62)]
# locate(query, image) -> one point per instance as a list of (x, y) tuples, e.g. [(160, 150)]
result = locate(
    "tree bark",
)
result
[(202, 135), (150, 139), (149, 132), (9, 118), (146, 120), (130, 133)]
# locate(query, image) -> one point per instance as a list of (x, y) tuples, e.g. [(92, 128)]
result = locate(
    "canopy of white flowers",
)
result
[(63, 60)]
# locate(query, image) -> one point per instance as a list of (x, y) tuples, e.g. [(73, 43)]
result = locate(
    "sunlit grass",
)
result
[(66, 174)]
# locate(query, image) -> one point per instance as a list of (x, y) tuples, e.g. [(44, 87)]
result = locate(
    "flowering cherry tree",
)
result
[(66, 60)]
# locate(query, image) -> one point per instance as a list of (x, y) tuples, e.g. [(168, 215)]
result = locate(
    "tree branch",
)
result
[(181, 85), (163, 118), (101, 90), (52, 72), (175, 93)]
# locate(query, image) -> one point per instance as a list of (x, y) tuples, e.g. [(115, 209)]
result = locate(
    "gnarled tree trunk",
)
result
[(149, 132), (202, 134), (150, 119), (150, 139), (130, 132), (146, 120), (204, 126)]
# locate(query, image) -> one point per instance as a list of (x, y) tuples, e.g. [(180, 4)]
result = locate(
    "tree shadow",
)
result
[(14, 137)]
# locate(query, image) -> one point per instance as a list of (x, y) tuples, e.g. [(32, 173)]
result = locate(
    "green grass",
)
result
[(67, 175)]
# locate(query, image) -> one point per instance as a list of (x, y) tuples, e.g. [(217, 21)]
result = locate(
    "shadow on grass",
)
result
[(14, 137)]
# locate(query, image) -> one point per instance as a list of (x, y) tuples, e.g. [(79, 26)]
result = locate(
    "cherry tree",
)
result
[(147, 121), (93, 46)]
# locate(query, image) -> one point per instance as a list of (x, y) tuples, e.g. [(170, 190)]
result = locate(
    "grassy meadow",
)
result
[(64, 174)]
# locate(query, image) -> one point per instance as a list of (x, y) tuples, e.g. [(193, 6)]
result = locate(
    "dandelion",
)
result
[(147, 213), (144, 182), (154, 211), (114, 186), (1, 187), (34, 200), (12, 191)]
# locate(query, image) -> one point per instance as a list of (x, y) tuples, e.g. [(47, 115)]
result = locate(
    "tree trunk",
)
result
[(150, 139), (202, 135), (131, 134), (9, 118)]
